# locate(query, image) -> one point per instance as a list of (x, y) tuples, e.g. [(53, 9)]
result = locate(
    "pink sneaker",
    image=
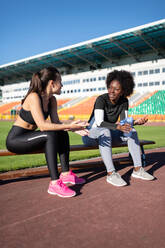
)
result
[(60, 189), (72, 178)]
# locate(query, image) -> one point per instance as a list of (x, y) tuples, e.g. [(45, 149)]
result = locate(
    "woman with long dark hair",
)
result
[(52, 136)]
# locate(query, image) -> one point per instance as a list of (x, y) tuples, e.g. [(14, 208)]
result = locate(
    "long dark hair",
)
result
[(40, 80)]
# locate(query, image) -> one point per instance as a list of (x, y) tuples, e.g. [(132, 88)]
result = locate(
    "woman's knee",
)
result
[(134, 137), (105, 131), (89, 141), (105, 138), (50, 134), (134, 134)]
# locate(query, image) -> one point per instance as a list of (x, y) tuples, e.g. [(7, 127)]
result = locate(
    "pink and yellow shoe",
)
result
[(72, 178), (60, 189)]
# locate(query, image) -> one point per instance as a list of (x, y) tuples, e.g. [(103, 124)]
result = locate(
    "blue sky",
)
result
[(31, 27)]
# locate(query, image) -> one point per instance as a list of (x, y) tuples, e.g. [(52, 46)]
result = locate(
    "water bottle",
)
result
[(130, 121)]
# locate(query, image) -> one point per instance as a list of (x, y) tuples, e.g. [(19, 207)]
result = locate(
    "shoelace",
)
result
[(116, 174), (141, 170), (61, 184), (71, 173)]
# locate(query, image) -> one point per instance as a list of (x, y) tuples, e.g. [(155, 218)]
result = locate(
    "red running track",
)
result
[(101, 215)]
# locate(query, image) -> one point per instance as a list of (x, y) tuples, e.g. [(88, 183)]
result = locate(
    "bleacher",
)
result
[(141, 98), (6, 108), (70, 102), (154, 107), (61, 102), (80, 110), (134, 97), (151, 104)]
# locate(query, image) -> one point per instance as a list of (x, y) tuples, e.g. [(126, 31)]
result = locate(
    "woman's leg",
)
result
[(63, 149), (23, 141), (134, 149), (51, 148), (133, 144), (105, 147), (105, 138), (108, 137), (101, 137)]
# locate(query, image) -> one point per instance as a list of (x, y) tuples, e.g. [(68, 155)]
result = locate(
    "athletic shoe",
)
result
[(142, 174), (115, 179), (60, 189), (71, 178)]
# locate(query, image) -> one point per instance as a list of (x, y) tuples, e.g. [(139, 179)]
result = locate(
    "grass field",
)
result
[(155, 133)]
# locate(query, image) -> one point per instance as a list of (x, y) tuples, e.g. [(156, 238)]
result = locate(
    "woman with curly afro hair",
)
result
[(105, 129)]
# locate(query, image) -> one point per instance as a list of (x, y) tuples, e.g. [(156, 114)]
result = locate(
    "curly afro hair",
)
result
[(125, 79)]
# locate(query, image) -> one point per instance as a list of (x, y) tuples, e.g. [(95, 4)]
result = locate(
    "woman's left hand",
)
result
[(83, 132), (141, 120)]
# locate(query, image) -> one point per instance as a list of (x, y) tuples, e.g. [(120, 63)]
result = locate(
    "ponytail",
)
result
[(40, 80)]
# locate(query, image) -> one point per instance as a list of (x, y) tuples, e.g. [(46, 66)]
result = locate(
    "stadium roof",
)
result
[(142, 43)]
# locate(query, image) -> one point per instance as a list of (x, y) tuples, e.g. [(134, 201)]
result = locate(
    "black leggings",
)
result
[(20, 140)]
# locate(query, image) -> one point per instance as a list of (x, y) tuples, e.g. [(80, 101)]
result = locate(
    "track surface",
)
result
[(101, 215)]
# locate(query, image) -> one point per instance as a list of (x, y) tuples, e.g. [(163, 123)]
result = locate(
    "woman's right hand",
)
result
[(126, 128), (78, 125)]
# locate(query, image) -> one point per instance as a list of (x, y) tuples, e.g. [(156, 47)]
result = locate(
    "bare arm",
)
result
[(141, 121), (43, 125), (53, 113), (127, 127), (55, 119)]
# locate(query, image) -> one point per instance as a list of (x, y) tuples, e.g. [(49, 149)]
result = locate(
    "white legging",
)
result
[(105, 138)]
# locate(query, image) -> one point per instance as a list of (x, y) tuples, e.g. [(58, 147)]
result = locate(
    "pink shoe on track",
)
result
[(72, 178), (60, 189)]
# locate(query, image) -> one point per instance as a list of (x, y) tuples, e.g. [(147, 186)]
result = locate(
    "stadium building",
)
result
[(84, 67)]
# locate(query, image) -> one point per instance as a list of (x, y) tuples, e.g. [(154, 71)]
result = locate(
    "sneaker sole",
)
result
[(73, 183), (116, 184), (135, 176), (52, 193)]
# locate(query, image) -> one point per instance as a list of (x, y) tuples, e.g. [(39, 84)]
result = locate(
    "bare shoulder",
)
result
[(31, 100), (33, 96)]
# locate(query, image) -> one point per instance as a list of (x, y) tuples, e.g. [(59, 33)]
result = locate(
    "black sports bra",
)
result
[(27, 116)]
